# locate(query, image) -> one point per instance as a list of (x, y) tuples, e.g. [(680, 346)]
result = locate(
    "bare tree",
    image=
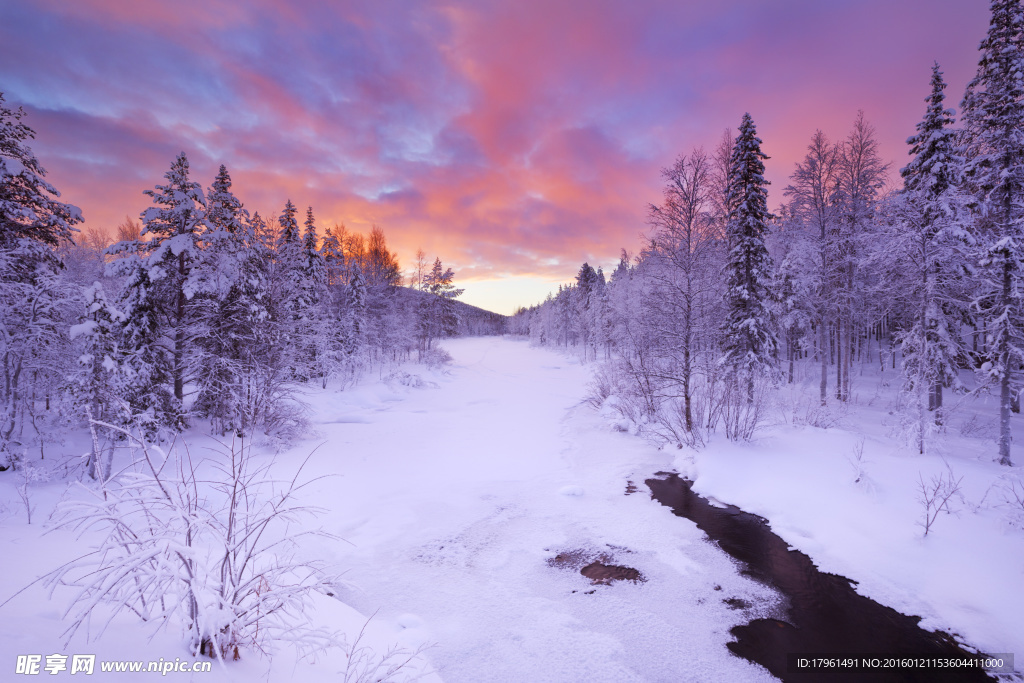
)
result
[(814, 207), (684, 258)]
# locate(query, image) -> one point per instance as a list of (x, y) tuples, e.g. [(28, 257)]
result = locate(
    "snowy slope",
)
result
[(453, 492)]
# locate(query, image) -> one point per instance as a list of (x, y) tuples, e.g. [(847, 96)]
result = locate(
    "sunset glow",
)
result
[(515, 140)]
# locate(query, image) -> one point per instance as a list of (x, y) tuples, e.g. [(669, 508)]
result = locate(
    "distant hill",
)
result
[(473, 321)]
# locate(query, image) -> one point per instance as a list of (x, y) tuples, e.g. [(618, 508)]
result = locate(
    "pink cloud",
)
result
[(506, 137)]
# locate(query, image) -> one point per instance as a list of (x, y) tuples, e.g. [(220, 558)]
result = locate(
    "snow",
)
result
[(450, 496), (964, 577), (85, 327), (453, 492)]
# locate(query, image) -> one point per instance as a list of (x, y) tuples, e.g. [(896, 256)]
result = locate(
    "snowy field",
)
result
[(451, 492)]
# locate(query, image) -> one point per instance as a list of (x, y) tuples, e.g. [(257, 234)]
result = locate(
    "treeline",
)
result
[(725, 299), (200, 311)]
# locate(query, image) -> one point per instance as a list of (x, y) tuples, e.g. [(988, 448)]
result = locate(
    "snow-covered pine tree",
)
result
[(442, 316), (32, 222), (749, 343), (175, 227), (146, 362), (158, 300), (229, 305), (288, 275), (96, 385), (314, 270), (586, 283), (601, 315), (32, 225), (993, 129), (355, 315), (334, 257), (320, 342), (932, 251), (266, 359)]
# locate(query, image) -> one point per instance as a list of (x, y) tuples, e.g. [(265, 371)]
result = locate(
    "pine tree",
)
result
[(230, 306), (442, 320), (314, 271), (288, 258), (32, 225), (750, 345), (355, 314), (319, 337), (334, 256), (586, 284), (930, 277), (97, 384), (993, 119), (288, 266), (146, 365), (32, 221), (176, 226), (158, 299)]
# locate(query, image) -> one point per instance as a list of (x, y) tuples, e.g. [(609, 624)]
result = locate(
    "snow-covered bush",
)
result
[(435, 357), (205, 546), (411, 380)]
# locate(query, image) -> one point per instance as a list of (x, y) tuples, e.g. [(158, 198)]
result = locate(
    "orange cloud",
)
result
[(511, 139)]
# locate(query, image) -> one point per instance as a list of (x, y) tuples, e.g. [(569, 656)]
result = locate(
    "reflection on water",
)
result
[(825, 615)]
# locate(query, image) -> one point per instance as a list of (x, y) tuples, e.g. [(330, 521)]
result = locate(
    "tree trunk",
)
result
[(1006, 359), (839, 358), (179, 333), (822, 343)]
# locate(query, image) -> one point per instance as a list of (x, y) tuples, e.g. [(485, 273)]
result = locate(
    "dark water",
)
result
[(825, 614)]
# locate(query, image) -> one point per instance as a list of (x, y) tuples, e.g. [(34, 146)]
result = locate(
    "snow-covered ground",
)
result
[(452, 492), (862, 517)]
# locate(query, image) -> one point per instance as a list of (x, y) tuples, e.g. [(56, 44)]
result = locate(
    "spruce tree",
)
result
[(33, 224), (158, 299), (334, 257), (230, 307), (443, 319), (355, 314), (314, 270), (288, 285), (176, 225), (586, 284), (317, 334), (288, 260), (750, 346), (931, 277), (97, 383), (993, 120)]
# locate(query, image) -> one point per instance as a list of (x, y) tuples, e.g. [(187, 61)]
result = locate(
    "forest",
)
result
[(725, 299), (226, 434), (199, 311)]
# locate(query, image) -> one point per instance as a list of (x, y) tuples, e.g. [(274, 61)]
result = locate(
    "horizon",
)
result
[(514, 142)]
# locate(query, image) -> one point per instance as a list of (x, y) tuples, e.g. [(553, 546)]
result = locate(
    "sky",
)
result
[(513, 139)]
